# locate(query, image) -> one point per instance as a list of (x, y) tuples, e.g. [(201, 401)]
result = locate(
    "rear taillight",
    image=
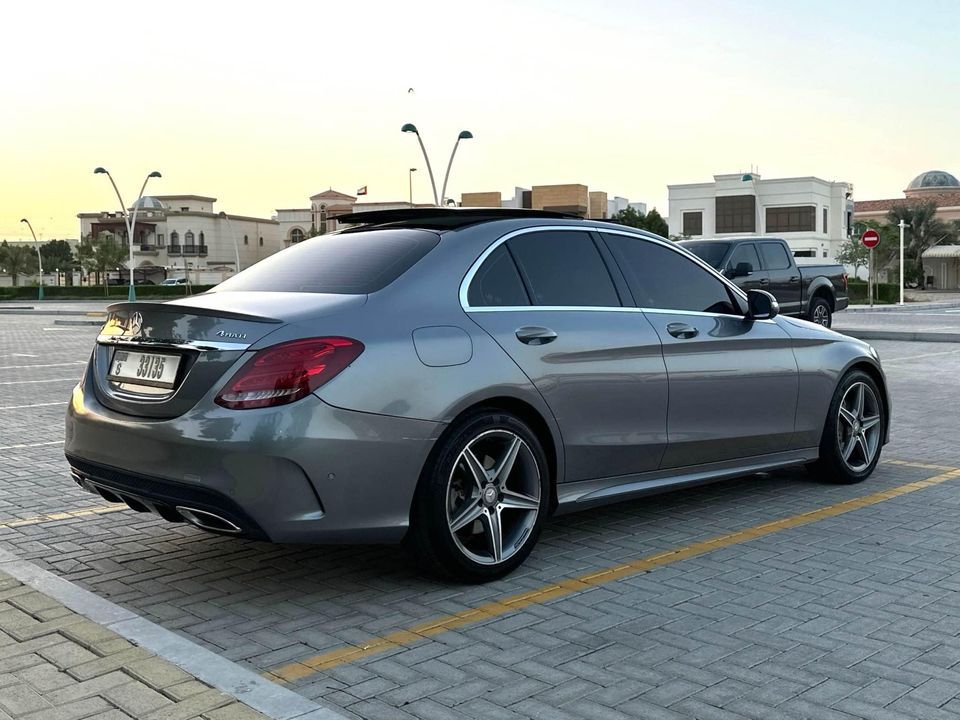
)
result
[(287, 372), (845, 286)]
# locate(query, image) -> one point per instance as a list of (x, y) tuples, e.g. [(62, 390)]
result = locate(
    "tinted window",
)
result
[(712, 253), (564, 268), (736, 213), (791, 219), (692, 223), (663, 278), (746, 253), (349, 263), (774, 256), (497, 282)]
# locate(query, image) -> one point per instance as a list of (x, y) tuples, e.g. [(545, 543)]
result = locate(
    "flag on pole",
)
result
[(362, 191)]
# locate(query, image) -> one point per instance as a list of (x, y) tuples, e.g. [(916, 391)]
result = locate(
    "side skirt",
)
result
[(576, 496)]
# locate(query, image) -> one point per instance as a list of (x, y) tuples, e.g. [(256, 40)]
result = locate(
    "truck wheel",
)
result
[(819, 312)]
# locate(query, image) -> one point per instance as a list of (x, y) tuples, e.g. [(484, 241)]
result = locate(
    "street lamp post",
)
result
[(130, 222), (464, 135), (411, 128), (903, 226), (236, 246), (36, 245), (410, 179)]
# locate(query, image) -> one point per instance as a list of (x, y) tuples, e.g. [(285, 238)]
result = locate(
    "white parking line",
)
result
[(26, 382), (31, 445), (921, 355), (24, 407), (22, 367)]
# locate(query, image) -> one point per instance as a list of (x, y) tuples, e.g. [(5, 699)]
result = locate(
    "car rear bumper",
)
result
[(841, 304), (305, 472)]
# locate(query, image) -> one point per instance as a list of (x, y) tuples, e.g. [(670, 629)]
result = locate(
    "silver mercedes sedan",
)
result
[(449, 378)]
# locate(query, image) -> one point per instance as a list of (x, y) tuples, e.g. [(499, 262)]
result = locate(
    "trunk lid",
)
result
[(157, 360)]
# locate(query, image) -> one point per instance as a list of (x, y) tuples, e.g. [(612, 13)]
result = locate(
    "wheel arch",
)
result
[(823, 289)]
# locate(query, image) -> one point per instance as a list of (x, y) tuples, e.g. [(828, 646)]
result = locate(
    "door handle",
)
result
[(794, 278), (682, 331), (764, 281), (535, 335)]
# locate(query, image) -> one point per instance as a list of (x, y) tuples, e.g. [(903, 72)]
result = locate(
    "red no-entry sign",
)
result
[(870, 238)]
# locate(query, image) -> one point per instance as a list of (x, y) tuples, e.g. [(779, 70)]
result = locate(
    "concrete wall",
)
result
[(598, 205), (569, 198), (481, 199)]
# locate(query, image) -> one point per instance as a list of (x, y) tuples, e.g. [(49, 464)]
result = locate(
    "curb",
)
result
[(78, 322), (902, 335), (906, 307), (229, 677)]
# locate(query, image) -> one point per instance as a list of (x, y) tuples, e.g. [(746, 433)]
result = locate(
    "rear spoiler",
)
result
[(163, 307)]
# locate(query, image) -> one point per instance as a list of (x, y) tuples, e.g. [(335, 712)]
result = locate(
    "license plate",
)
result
[(149, 369)]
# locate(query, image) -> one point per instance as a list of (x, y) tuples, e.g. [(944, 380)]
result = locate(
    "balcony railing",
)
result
[(174, 250), (195, 250)]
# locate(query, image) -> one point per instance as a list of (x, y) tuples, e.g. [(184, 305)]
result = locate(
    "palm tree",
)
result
[(17, 260), (923, 230)]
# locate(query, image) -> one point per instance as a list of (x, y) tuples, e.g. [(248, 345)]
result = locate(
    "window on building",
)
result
[(807, 253), (160, 241), (261, 241), (663, 278), (774, 256), (296, 235), (246, 240), (201, 238), (825, 221), (736, 213), (188, 237), (184, 209), (563, 268), (802, 218), (692, 224), (497, 282), (174, 238)]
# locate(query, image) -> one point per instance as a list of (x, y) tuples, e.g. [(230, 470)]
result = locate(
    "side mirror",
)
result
[(743, 269), (762, 305)]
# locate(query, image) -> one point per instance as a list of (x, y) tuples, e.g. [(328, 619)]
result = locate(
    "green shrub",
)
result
[(883, 293)]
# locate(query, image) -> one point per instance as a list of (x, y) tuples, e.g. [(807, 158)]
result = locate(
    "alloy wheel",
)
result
[(821, 315), (493, 496), (858, 426)]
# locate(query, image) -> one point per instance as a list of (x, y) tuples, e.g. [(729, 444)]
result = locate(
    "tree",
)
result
[(923, 230), (652, 221), (854, 253), (100, 254), (17, 260), (57, 254)]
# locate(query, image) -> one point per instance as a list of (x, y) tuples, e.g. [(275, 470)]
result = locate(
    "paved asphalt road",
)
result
[(764, 597)]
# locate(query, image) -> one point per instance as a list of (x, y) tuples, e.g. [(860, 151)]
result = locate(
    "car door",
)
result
[(758, 278), (733, 382), (548, 298), (783, 275)]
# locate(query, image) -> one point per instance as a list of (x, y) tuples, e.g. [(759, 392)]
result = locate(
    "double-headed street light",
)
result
[(129, 221), (36, 246), (464, 135)]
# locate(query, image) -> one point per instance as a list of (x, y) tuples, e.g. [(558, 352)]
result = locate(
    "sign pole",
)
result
[(870, 278), (902, 226)]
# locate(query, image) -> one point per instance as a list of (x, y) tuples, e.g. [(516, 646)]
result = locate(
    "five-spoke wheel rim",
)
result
[(493, 497), (821, 315), (859, 427)]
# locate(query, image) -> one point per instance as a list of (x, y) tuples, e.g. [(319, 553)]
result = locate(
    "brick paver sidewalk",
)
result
[(57, 665)]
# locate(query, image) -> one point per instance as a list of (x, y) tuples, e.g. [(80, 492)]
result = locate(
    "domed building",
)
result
[(941, 262)]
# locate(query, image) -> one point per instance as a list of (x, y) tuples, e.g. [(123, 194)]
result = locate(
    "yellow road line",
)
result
[(403, 638), (67, 515)]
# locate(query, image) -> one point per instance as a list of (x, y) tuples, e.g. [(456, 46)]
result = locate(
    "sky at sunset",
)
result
[(264, 104)]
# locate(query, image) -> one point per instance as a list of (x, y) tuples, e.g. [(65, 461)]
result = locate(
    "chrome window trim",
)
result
[(468, 278), (201, 345)]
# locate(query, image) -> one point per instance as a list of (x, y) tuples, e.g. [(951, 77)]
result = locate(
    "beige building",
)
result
[(179, 234), (572, 198), (296, 224), (941, 263)]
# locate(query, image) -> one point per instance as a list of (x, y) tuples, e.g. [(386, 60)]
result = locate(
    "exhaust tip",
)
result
[(207, 520)]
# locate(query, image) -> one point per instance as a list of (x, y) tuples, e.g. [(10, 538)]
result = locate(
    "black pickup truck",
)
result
[(813, 292)]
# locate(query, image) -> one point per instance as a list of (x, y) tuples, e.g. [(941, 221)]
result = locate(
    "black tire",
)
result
[(831, 466), (432, 543), (819, 312)]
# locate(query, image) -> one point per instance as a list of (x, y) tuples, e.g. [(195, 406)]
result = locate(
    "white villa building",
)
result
[(814, 216), (176, 234)]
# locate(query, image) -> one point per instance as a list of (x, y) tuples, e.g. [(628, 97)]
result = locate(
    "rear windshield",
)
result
[(712, 253), (353, 263)]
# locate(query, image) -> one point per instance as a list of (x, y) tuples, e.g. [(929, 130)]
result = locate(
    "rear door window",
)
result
[(563, 269), (354, 263), (774, 256), (497, 283)]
